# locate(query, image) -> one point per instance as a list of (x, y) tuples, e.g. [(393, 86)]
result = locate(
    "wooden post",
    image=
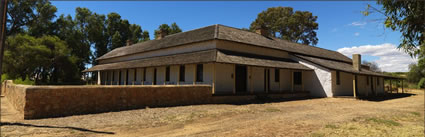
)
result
[(213, 82), (178, 75), (234, 78), (280, 81), (302, 80), (354, 85), (250, 80), (98, 78), (292, 81), (391, 86), (194, 75)]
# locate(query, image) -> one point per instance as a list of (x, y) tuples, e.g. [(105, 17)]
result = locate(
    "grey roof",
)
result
[(188, 58), (222, 57), (342, 66), (225, 33), (200, 57)]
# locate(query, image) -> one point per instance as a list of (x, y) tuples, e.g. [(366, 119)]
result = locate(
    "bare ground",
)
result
[(306, 117)]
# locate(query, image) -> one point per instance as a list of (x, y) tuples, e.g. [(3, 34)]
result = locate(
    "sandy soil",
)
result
[(280, 118)]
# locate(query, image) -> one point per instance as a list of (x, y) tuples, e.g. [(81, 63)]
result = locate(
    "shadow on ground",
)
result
[(44, 126), (388, 96)]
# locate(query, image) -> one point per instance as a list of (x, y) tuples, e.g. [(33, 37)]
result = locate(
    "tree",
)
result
[(171, 30), (372, 65), (408, 18), (46, 60), (284, 23)]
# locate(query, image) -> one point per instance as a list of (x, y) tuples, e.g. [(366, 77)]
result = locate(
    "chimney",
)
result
[(262, 30), (129, 42), (162, 33), (357, 60)]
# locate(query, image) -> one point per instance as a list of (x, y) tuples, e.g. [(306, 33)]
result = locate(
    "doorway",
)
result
[(241, 78)]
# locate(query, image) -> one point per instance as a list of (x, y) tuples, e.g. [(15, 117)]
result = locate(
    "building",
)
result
[(238, 62)]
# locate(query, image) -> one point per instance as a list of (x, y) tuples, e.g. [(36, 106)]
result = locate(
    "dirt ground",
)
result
[(303, 117)]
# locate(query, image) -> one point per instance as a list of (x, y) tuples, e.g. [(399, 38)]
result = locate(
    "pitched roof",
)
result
[(225, 33), (201, 57), (342, 66)]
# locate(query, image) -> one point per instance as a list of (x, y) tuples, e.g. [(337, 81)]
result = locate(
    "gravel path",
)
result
[(288, 118)]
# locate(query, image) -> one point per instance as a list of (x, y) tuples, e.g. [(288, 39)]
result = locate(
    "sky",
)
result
[(342, 27)]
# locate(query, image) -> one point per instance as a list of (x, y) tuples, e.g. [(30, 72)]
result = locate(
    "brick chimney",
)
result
[(357, 60), (262, 30), (162, 33), (129, 43)]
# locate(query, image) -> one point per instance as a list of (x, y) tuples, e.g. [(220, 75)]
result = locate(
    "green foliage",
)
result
[(284, 23), (173, 29), (421, 83), (54, 50), (408, 18), (44, 60)]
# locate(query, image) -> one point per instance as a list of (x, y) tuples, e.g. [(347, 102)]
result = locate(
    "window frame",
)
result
[(276, 75), (167, 74)]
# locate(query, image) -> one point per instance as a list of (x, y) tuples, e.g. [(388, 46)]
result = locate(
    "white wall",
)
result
[(320, 84), (174, 74), (224, 80)]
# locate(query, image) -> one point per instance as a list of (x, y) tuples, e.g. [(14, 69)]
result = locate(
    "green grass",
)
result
[(331, 126)]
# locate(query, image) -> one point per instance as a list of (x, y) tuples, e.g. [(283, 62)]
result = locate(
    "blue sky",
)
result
[(340, 23)]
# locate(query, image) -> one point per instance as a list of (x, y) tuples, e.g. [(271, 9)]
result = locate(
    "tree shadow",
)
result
[(387, 96), (63, 127)]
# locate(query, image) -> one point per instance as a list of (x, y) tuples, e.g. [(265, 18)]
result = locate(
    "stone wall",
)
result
[(56, 101)]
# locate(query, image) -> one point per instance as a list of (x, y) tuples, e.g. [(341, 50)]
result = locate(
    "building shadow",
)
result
[(61, 127), (385, 97)]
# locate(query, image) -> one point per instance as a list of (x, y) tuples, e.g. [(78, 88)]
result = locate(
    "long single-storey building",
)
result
[(238, 62)]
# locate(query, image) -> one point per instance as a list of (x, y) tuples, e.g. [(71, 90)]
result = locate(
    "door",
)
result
[(241, 78)]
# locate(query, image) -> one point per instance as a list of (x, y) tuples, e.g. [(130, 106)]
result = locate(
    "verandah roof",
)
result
[(201, 57)]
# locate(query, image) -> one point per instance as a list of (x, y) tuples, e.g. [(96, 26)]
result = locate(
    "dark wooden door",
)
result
[(241, 78)]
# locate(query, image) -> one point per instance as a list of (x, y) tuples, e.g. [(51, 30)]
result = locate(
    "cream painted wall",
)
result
[(224, 80), (174, 74), (364, 88), (380, 86), (285, 80), (131, 77), (233, 46), (274, 86), (149, 76), (160, 76), (345, 88), (257, 76), (139, 76), (168, 51), (208, 73)]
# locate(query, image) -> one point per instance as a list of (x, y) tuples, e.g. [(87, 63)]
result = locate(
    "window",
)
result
[(113, 76), (144, 74), (297, 78), (276, 75), (367, 80), (167, 73), (182, 73), (199, 72), (154, 76), (126, 76), (338, 80)]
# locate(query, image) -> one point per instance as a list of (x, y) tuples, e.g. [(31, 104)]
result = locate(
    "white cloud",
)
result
[(356, 23), (390, 59), (356, 34)]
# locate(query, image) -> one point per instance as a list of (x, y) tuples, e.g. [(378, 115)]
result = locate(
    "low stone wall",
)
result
[(56, 101)]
